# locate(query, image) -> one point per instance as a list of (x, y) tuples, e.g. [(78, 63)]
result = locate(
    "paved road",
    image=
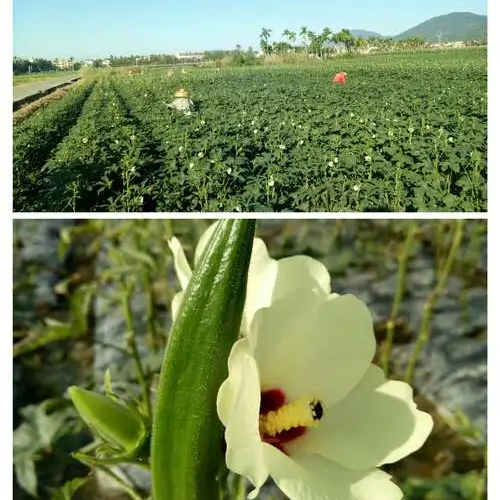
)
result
[(28, 89)]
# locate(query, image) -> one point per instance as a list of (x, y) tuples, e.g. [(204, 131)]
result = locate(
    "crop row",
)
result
[(98, 164), (35, 138), (402, 134)]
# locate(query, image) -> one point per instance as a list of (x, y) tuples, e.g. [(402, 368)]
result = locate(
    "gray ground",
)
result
[(24, 90), (451, 371)]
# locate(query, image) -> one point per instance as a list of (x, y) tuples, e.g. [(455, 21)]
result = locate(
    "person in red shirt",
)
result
[(339, 78)]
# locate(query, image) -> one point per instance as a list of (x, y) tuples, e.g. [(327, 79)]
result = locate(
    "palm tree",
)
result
[(345, 37), (419, 42), (333, 38), (281, 48), (293, 39), (360, 43), (325, 37), (374, 41), (264, 39), (292, 36), (313, 41), (304, 35)]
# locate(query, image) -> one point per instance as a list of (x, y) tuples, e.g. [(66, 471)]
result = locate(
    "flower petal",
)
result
[(181, 265), (309, 344), (341, 349), (176, 304), (376, 485), (270, 279), (278, 336), (301, 271), (377, 423), (312, 477), (229, 388), (261, 281), (238, 404)]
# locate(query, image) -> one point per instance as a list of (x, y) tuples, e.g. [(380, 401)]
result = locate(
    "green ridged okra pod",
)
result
[(186, 445)]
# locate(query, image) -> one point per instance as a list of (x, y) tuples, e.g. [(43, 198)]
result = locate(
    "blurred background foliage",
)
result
[(79, 285)]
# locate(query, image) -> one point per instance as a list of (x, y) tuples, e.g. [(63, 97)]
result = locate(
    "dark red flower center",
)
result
[(273, 400)]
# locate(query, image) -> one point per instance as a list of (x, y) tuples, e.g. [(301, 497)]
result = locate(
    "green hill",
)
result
[(365, 34), (452, 27)]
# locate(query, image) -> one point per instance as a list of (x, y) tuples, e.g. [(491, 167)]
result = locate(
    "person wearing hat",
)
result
[(339, 78), (182, 102)]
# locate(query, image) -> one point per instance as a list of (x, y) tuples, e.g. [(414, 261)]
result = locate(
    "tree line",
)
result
[(322, 44), (327, 42), (22, 66)]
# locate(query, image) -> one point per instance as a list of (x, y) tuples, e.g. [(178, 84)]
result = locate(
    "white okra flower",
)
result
[(302, 402)]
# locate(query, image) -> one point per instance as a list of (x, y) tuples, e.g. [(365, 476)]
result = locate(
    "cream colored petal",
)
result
[(261, 281), (312, 345), (377, 423), (244, 447), (423, 422), (260, 256), (279, 335), (176, 305), (270, 279), (225, 400), (227, 392), (312, 477), (341, 349), (181, 265), (300, 271), (376, 485)]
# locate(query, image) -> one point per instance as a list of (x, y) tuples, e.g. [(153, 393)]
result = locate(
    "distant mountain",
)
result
[(451, 27), (365, 34)]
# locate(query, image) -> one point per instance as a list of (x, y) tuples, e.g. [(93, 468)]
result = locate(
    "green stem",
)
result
[(440, 229), (132, 346), (168, 229), (398, 297), (424, 333), (91, 461), (151, 311), (222, 480), (123, 484), (241, 488)]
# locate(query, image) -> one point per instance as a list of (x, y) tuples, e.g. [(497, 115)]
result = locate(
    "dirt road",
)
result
[(25, 90)]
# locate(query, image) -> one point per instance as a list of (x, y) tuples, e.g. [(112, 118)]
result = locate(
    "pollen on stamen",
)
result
[(305, 412)]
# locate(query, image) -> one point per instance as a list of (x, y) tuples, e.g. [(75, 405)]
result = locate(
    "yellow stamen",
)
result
[(305, 412)]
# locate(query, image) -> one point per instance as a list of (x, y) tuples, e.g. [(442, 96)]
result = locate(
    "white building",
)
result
[(62, 64), (183, 56)]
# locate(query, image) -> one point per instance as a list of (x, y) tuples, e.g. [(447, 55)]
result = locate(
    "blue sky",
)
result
[(99, 28)]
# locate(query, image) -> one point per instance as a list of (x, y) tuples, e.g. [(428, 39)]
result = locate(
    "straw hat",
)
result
[(182, 93)]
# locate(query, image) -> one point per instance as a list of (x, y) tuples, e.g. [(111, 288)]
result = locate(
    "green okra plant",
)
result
[(186, 441), (182, 441)]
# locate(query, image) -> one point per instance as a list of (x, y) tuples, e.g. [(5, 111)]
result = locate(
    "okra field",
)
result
[(407, 132)]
